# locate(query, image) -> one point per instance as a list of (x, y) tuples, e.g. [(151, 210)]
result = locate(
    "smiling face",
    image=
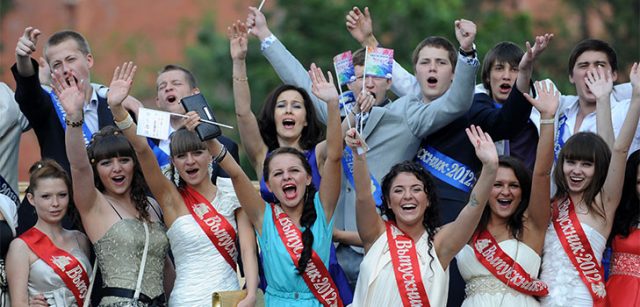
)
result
[(589, 60), (50, 199), (506, 194), (193, 166), (116, 174), (67, 59), (172, 86), (502, 78), (290, 115), (408, 199), (434, 72), (288, 179), (578, 174)]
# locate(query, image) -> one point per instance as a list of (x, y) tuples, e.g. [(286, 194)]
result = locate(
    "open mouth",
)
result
[(118, 179), (504, 202), (290, 191), (408, 207), (172, 98), (288, 123), (575, 179), (191, 171), (505, 88), (432, 80), (69, 78)]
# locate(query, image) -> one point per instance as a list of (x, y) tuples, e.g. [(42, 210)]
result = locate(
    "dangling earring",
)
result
[(176, 176), (210, 168)]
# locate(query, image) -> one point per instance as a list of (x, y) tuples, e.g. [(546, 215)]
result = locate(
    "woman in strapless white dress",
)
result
[(516, 218), (200, 268)]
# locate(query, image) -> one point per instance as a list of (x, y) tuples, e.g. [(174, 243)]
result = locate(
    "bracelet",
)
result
[(548, 121), (74, 124), (221, 155), (125, 123), (241, 79)]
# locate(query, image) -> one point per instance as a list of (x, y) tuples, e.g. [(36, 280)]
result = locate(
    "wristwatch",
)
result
[(471, 53)]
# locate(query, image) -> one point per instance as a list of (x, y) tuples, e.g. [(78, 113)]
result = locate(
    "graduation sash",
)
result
[(406, 267), (68, 267), (214, 225), (316, 275), (503, 267)]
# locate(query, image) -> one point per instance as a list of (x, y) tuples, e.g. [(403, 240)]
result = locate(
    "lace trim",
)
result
[(625, 264), (487, 285)]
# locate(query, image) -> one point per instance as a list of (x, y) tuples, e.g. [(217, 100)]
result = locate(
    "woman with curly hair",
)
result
[(123, 224), (406, 256)]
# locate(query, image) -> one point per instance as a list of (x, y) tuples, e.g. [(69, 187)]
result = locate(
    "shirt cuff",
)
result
[(470, 61), (267, 42)]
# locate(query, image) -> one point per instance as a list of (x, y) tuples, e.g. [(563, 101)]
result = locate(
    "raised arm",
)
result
[(72, 98), (615, 176), (283, 62), (525, 68), (247, 122), (163, 190), (453, 236), (539, 211), (370, 225), (324, 89), (600, 83), (25, 47)]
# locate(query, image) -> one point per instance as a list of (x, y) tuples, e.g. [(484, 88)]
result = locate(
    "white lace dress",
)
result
[(200, 268), (483, 289), (565, 286)]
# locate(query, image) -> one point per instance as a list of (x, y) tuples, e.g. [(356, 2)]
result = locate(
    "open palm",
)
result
[(322, 87), (70, 94), (121, 83)]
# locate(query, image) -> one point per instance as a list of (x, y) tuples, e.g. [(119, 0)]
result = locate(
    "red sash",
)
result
[(503, 267), (214, 225), (406, 267), (316, 275), (576, 245), (67, 266)]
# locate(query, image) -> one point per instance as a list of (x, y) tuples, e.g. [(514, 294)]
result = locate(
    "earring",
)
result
[(176, 176), (210, 168)]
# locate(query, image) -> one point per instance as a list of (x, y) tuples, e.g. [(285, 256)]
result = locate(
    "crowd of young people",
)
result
[(362, 217)]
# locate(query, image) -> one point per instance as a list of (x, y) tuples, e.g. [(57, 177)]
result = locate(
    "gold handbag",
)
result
[(232, 298)]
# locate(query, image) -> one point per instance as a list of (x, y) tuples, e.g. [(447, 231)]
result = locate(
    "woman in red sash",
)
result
[(204, 219), (406, 256), (295, 233), (511, 229), (49, 265), (121, 221), (589, 176), (623, 286)]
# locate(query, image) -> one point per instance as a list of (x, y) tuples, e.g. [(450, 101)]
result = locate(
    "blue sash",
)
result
[(446, 168), (559, 143), (347, 165), (162, 157), (61, 116), (5, 188)]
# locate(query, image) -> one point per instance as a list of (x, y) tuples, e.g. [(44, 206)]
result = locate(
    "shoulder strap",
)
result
[(136, 294)]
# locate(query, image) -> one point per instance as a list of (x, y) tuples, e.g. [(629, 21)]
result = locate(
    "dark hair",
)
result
[(584, 146), (431, 220), (191, 79), (515, 222), (309, 213), (108, 143), (591, 44), (436, 42), (62, 36), (503, 52), (628, 211), (358, 57), (312, 134), (183, 141)]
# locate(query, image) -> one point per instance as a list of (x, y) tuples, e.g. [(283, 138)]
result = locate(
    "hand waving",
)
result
[(483, 144), (599, 81), (634, 77), (532, 53), (359, 24), (121, 83), (322, 88), (237, 34), (548, 99)]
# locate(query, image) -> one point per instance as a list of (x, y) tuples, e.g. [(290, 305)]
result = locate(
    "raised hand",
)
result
[(483, 144), (257, 24), (121, 83), (360, 25), (548, 99), (27, 42), (634, 77), (532, 53), (192, 121), (70, 93), (322, 87), (465, 33), (599, 82), (237, 34)]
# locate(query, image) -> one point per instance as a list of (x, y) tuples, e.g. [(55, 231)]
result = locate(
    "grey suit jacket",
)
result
[(393, 132)]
